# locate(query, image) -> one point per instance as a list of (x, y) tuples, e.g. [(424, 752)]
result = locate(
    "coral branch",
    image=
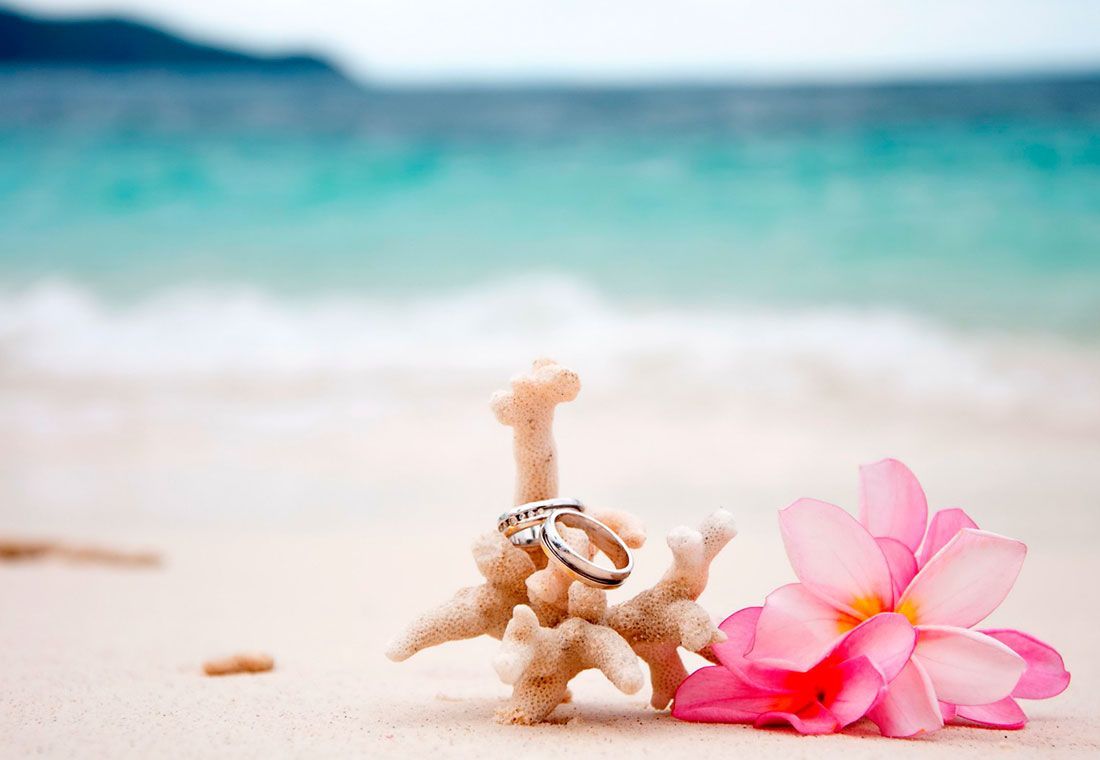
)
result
[(659, 620), (528, 408), (540, 662), (629, 527), (477, 610)]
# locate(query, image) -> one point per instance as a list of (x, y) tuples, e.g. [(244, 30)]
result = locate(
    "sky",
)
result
[(430, 41)]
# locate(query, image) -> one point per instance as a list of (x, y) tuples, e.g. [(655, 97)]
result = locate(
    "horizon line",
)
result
[(755, 81), (701, 80)]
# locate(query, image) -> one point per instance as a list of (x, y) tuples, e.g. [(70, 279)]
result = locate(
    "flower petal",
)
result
[(967, 667), (716, 695), (945, 524), (796, 628), (1046, 674), (948, 711), (814, 719), (902, 563), (861, 683), (887, 640), (1003, 714), (964, 581), (740, 630), (891, 502), (836, 558), (909, 706)]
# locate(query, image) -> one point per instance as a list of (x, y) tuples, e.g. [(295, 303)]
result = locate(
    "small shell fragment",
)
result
[(248, 662)]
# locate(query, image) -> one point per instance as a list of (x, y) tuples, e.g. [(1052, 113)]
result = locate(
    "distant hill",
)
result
[(96, 42)]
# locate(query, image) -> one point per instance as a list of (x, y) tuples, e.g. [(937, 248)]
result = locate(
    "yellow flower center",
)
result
[(908, 609), (865, 607), (868, 606)]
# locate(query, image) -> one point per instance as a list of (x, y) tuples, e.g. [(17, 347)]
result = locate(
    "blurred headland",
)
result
[(103, 42)]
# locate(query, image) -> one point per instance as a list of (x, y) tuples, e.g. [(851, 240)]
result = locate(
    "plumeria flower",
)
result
[(943, 580), (835, 691)]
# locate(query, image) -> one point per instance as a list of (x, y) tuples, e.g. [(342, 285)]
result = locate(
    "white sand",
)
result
[(312, 548)]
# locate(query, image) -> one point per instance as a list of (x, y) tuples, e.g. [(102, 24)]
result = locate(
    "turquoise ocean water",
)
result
[(977, 204)]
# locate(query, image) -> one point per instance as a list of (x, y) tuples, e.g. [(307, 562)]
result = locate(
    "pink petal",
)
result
[(1003, 714), (892, 503), (902, 563), (945, 524), (948, 711), (740, 630), (887, 640), (836, 558), (795, 629), (909, 706), (814, 719), (967, 667), (964, 581), (1046, 674), (716, 695), (861, 683)]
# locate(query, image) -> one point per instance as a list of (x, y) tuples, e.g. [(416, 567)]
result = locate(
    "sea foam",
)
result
[(63, 333)]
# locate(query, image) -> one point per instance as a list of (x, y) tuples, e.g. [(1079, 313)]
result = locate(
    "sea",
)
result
[(924, 239)]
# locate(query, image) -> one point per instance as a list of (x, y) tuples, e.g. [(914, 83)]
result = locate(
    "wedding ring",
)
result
[(578, 566), (521, 524)]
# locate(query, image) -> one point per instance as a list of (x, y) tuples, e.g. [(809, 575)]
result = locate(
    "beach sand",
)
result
[(317, 548)]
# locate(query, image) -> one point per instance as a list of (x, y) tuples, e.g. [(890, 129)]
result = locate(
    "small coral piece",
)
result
[(248, 662), (17, 550), (540, 662), (659, 620), (552, 626)]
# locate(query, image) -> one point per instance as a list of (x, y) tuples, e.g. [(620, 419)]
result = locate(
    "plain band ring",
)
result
[(580, 567), (520, 525)]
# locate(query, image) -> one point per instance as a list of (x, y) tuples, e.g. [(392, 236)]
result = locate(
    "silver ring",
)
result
[(520, 524), (582, 568)]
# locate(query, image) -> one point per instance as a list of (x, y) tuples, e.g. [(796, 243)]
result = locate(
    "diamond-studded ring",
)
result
[(521, 524)]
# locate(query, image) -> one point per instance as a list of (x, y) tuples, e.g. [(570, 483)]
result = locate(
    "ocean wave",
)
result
[(62, 332)]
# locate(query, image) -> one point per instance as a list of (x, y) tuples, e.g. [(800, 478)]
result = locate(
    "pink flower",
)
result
[(944, 580), (836, 690)]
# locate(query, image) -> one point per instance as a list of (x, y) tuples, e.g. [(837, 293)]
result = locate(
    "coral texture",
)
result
[(552, 626), (476, 610), (528, 408), (659, 620), (541, 661)]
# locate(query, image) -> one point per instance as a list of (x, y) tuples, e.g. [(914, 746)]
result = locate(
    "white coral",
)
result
[(552, 627)]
